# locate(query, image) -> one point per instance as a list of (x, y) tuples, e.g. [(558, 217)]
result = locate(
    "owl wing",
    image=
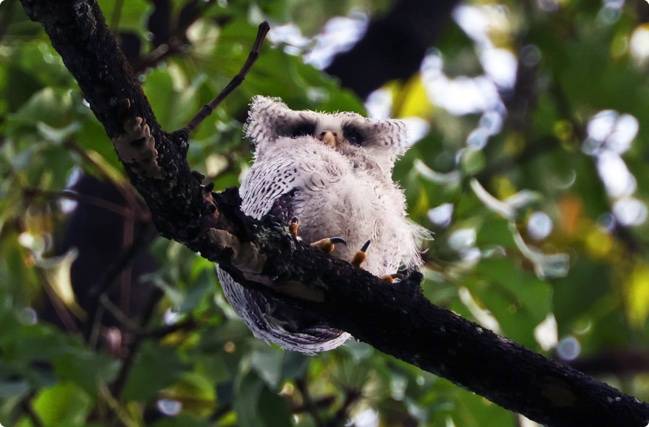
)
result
[(268, 181), (275, 321), (265, 183)]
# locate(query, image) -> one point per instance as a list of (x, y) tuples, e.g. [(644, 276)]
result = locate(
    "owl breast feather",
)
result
[(331, 197)]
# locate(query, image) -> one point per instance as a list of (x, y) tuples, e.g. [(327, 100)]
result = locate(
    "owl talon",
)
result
[(329, 244), (294, 228), (361, 255), (391, 278)]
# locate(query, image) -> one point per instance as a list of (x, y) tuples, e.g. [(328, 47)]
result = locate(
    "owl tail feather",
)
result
[(257, 312)]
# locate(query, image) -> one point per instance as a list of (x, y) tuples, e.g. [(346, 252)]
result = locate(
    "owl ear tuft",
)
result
[(394, 135), (264, 116)]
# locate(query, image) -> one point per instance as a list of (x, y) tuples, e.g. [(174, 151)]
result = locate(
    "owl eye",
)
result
[(302, 129), (353, 134)]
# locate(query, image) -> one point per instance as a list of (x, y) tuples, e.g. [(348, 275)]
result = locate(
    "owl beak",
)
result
[(329, 138)]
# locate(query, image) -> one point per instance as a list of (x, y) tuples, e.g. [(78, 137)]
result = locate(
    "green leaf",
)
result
[(49, 106), (258, 406), (472, 161), (273, 409), (57, 135), (155, 367), (86, 369), (294, 364), (268, 364), (132, 14), (246, 403), (62, 405)]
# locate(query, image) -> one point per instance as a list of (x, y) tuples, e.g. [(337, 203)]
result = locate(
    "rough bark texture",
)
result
[(398, 320)]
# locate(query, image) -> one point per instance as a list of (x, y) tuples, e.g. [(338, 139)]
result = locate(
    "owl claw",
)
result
[(294, 228), (361, 255), (391, 278), (329, 244)]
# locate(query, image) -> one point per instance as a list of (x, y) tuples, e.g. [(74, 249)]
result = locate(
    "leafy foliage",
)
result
[(529, 168)]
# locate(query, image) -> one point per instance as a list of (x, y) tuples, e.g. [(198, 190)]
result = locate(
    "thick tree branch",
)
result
[(395, 319)]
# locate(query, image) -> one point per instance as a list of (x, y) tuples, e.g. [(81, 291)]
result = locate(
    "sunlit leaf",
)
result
[(62, 405), (57, 272), (57, 136), (637, 295)]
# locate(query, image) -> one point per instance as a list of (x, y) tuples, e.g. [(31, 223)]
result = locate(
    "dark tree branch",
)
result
[(158, 55), (321, 403), (393, 45), (29, 410), (220, 412), (31, 192), (397, 320), (187, 324), (342, 414), (174, 42), (614, 362)]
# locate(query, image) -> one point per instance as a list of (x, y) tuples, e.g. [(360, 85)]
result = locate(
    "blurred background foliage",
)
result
[(530, 141)]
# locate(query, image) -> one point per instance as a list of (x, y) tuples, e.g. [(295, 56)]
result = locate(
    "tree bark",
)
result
[(395, 319)]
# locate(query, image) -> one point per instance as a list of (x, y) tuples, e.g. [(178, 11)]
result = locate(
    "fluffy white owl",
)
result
[(333, 172)]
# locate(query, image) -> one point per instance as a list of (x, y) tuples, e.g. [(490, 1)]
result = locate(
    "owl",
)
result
[(333, 174)]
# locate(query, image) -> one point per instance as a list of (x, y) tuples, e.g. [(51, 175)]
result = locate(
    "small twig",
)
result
[(141, 333), (104, 283), (29, 410), (178, 42), (113, 403), (321, 403), (117, 387), (82, 198), (207, 109), (124, 187), (187, 324), (58, 304), (141, 241), (308, 403), (99, 168), (351, 396), (118, 314), (157, 55), (220, 412), (93, 327)]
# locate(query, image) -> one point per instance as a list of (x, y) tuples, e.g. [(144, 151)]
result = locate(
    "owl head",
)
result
[(362, 140)]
